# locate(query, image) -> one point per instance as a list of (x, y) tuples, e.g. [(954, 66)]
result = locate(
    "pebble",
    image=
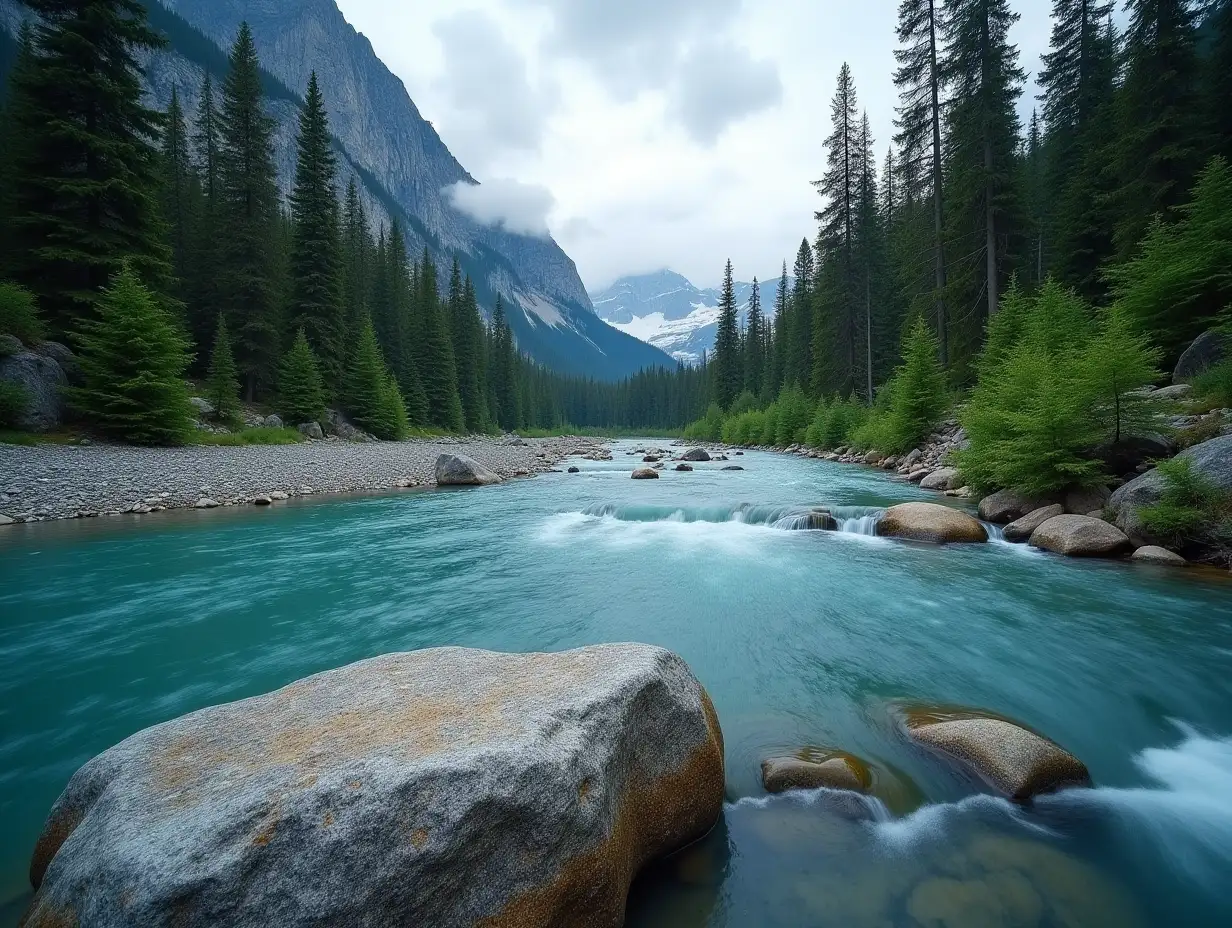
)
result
[(61, 482)]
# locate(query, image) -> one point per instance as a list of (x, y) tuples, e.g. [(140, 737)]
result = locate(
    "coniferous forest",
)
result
[(942, 259)]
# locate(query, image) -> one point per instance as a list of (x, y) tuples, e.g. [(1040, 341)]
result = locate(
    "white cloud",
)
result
[(517, 207), (721, 83), (493, 104)]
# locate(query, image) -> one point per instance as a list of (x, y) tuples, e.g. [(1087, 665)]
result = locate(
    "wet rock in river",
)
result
[(684, 467), (1153, 554), (575, 470), (945, 478), (1080, 536), (930, 522), (1021, 529), (695, 455), (1008, 505), (837, 771), (645, 473), (457, 470), (447, 787), (1012, 759)]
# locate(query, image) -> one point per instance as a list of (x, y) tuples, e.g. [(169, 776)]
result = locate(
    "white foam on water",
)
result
[(674, 530)]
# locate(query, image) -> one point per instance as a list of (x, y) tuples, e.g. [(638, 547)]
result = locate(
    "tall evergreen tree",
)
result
[(1159, 143), (919, 83), (222, 387), (9, 141), (204, 267), (1217, 78), (728, 370), (503, 372), (980, 67), (301, 395), (755, 344), (316, 260), (799, 329), (1077, 83), (435, 353), (180, 196), (357, 261), (778, 338), (86, 199), (248, 211), (463, 323)]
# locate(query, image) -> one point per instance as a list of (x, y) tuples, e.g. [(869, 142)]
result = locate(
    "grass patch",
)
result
[(258, 436), (30, 439)]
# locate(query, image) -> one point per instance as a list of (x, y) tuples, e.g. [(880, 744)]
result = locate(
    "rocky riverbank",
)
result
[(70, 481)]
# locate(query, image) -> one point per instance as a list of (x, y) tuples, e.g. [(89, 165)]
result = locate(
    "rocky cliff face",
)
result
[(400, 160)]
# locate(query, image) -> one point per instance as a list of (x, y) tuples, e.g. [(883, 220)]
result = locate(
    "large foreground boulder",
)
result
[(42, 381), (1211, 459), (446, 787), (1012, 759), (1080, 536), (457, 470), (930, 522), (695, 455), (1207, 350), (1008, 505)]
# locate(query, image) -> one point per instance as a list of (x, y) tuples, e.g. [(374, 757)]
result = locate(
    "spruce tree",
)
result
[(86, 168), (1159, 143), (1119, 362), (1217, 78), (778, 351), (222, 385), (9, 142), (201, 292), (358, 261), (799, 335), (316, 265), (980, 67), (248, 217), (301, 394), (503, 370), (755, 344), (179, 193), (133, 362), (728, 371), (464, 325), (437, 370)]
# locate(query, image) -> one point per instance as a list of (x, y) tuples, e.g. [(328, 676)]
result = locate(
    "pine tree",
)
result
[(778, 338), (502, 371), (728, 371), (834, 329), (799, 334), (301, 395), (17, 77), (1119, 362), (204, 268), (248, 214), (1159, 142), (316, 266), (133, 361), (179, 195), (755, 344), (358, 261), (919, 83), (437, 370), (222, 386), (1217, 78), (1077, 80), (464, 323), (981, 69), (370, 394), (86, 171)]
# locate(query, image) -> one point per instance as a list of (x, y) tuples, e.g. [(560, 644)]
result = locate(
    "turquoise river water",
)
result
[(803, 638)]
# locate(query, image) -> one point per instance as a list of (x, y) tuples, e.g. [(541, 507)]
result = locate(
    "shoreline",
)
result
[(60, 482)]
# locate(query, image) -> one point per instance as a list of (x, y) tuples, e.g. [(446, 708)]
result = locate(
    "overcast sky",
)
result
[(648, 133)]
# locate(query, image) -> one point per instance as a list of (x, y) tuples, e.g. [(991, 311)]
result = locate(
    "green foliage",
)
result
[(85, 166), (746, 428), (708, 428), (13, 402), (133, 361), (743, 403), (222, 386), (1214, 385), (912, 402), (1181, 276), (1191, 508), (371, 396), (301, 395), (728, 368), (19, 315), (795, 411), (258, 436), (1118, 361), (390, 423)]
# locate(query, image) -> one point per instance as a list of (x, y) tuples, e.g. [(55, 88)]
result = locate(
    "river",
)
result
[(802, 638)]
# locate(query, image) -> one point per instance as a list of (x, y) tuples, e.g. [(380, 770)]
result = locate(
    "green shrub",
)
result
[(19, 313), (843, 418), (745, 428), (914, 400), (1191, 508), (707, 428), (133, 359), (795, 412), (770, 425), (1214, 385), (813, 434), (743, 403), (13, 402), (301, 396)]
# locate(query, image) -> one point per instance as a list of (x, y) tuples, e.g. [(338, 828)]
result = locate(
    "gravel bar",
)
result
[(78, 481)]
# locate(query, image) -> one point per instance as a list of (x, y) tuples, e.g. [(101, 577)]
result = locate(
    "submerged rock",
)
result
[(1152, 554), (684, 467), (840, 771), (1013, 759), (457, 470), (930, 522), (1079, 536), (695, 455), (446, 787), (1008, 505), (733, 467), (575, 470), (1021, 529), (645, 473)]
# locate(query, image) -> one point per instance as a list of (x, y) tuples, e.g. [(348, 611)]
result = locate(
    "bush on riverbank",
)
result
[(256, 436), (1192, 509), (911, 403), (301, 396), (133, 360), (19, 314), (1051, 391)]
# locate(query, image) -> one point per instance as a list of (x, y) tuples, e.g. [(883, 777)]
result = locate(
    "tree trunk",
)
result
[(938, 246), (868, 334), (990, 230)]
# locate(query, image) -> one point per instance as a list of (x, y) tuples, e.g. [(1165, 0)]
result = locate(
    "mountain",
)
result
[(665, 310), (400, 161)]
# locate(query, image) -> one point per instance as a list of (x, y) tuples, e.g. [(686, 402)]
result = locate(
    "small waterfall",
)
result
[(857, 520), (995, 532), (851, 520)]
